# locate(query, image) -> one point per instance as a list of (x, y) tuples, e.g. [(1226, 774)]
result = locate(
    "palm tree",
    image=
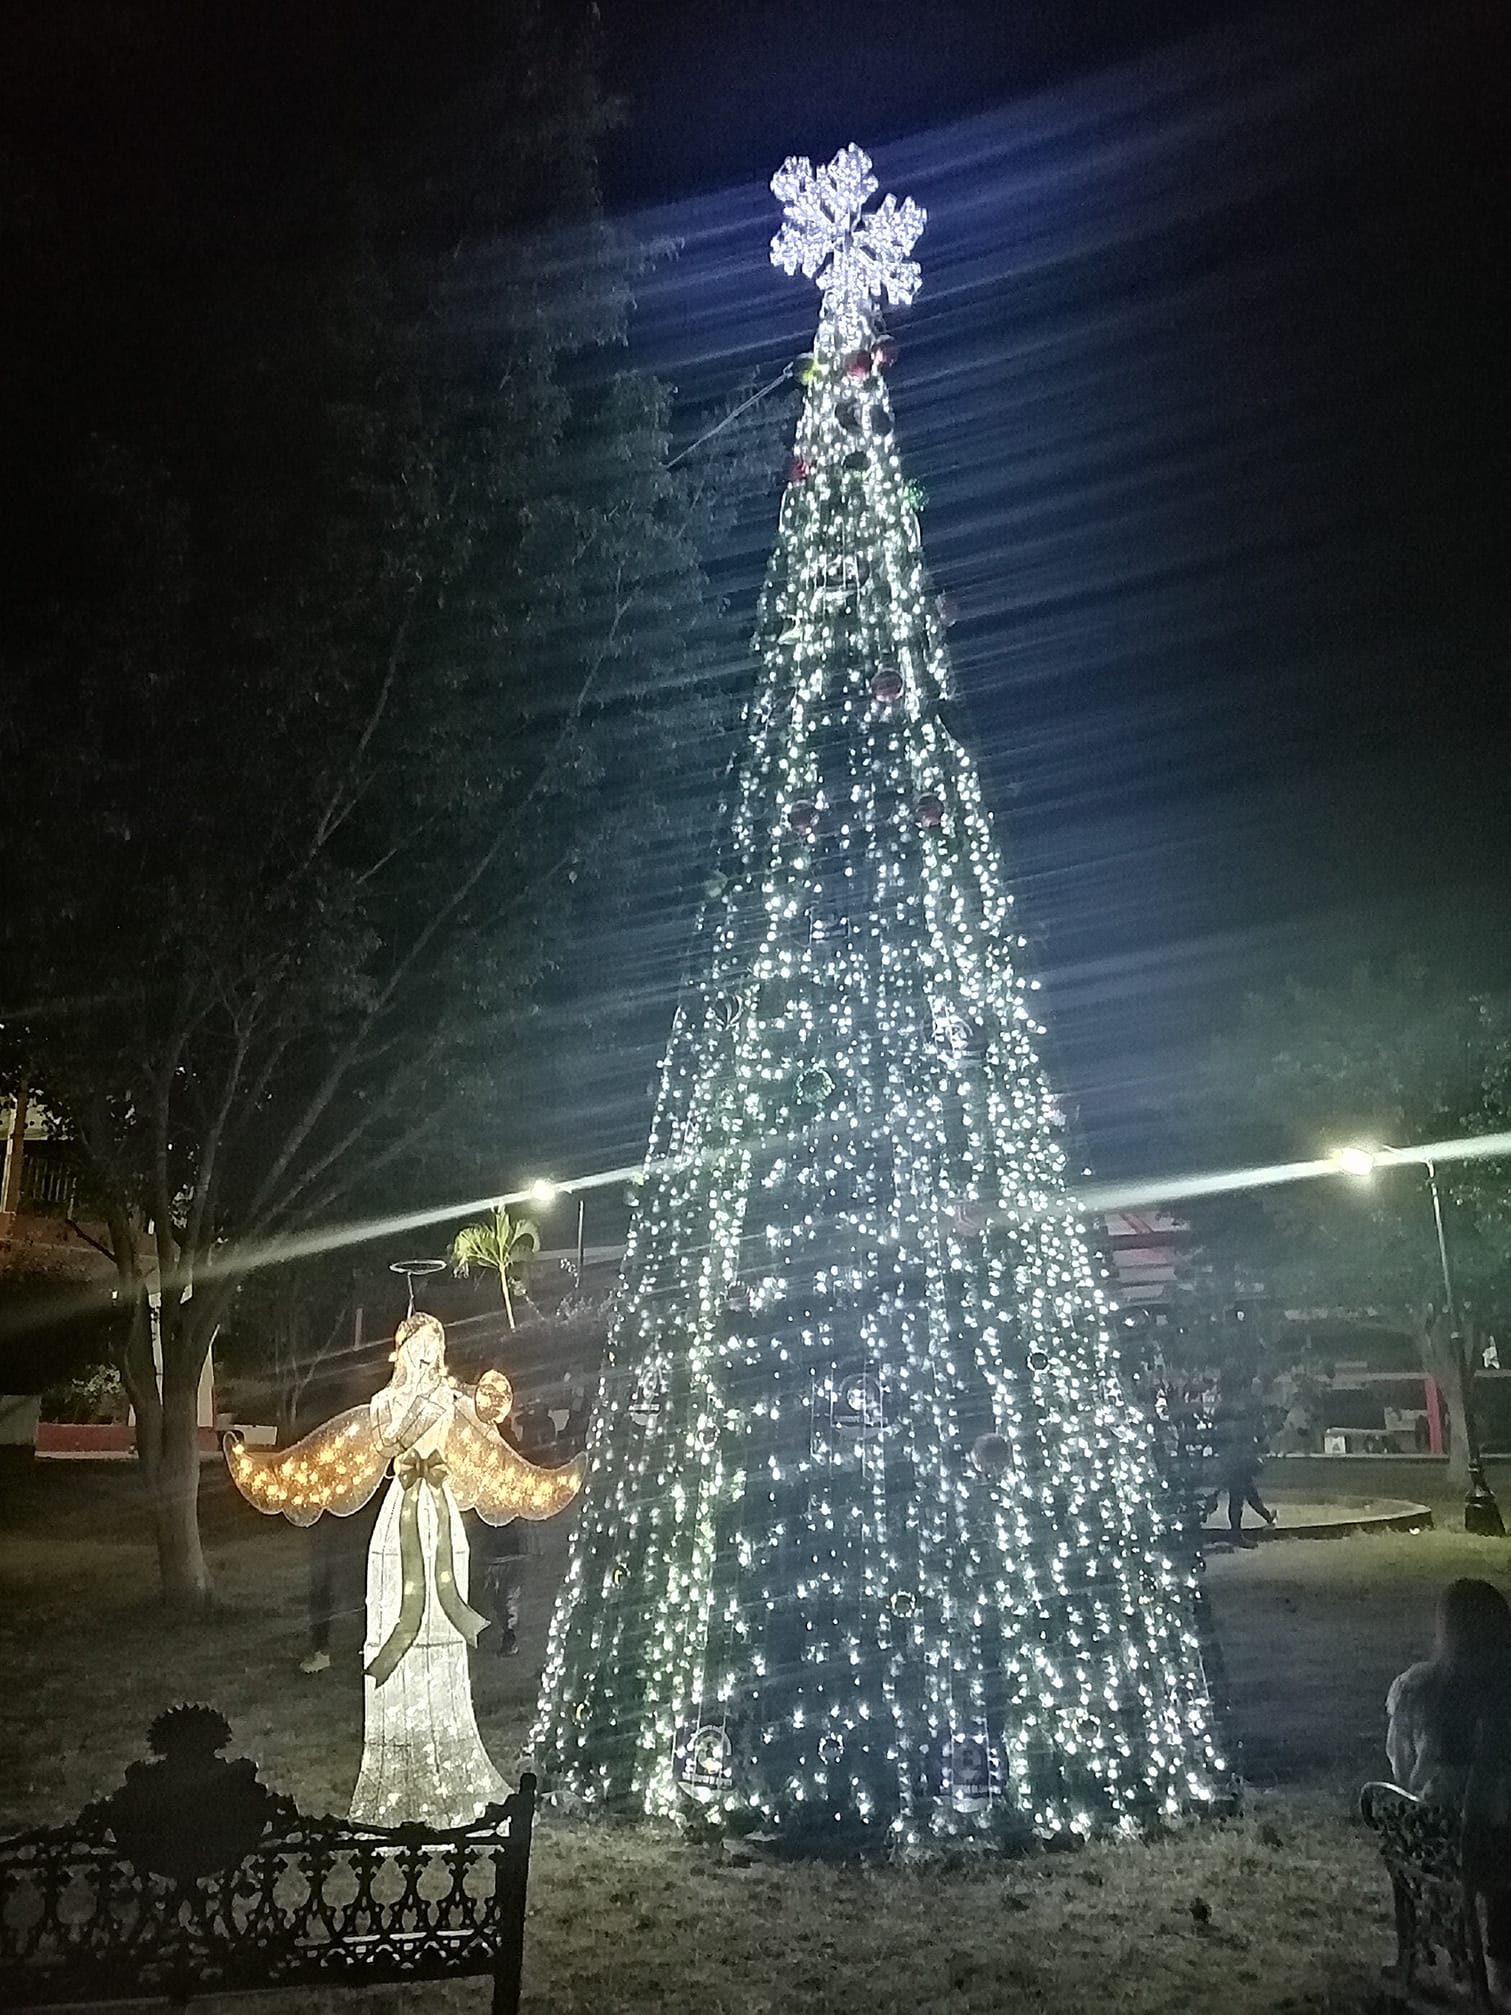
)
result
[(497, 1246)]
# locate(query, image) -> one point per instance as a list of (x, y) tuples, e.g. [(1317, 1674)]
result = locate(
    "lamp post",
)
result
[(544, 1193), (1482, 1515)]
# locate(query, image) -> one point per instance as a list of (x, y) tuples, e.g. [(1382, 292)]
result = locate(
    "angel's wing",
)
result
[(488, 1477), (337, 1468)]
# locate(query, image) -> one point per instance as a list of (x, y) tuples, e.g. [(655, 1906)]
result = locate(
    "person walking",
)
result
[(1238, 1440)]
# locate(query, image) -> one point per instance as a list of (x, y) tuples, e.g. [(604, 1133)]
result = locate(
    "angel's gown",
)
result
[(422, 1757)]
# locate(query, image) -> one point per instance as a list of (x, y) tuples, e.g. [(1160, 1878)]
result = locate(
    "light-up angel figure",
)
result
[(422, 1756)]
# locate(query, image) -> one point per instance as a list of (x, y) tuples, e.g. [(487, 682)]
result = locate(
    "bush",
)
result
[(95, 1395)]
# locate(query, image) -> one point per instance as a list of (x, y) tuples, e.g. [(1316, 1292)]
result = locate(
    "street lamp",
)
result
[(1482, 1515), (543, 1193)]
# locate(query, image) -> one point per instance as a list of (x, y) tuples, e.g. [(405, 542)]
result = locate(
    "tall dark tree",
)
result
[(364, 620)]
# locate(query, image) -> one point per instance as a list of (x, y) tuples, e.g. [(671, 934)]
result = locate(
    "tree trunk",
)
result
[(184, 1577), (166, 1404), (1444, 1363), (1458, 1435)]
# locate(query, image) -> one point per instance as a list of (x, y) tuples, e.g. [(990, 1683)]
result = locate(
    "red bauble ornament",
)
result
[(858, 366), (929, 810), (887, 687), (798, 470), (884, 356), (803, 816)]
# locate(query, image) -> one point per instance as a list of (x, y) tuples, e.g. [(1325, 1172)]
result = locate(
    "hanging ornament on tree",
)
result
[(831, 1747), (962, 1039), (858, 364), (946, 607), (849, 416), (705, 1761), (815, 1087), (887, 687), (859, 1406), (826, 922), (806, 368), (884, 354), (803, 817), (857, 461), (799, 469), (843, 576), (970, 1774), (917, 497), (649, 1396), (952, 1032), (1038, 1360), (903, 1602), (725, 1009), (929, 810)]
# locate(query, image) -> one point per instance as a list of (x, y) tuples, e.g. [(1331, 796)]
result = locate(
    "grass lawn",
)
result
[(1296, 1912)]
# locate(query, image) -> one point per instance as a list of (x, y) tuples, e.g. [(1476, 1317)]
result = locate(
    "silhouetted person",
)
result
[(499, 1551), (1449, 1744), (337, 1560), (1238, 1440)]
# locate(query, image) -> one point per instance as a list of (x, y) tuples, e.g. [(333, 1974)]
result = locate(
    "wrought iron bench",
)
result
[(1437, 1909), (194, 1878)]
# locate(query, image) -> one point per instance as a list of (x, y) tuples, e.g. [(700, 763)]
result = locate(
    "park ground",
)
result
[(1283, 1910)]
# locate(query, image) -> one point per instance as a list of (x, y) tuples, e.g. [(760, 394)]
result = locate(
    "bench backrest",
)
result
[(308, 1900)]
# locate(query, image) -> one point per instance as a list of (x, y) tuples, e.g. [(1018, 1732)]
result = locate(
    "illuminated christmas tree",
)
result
[(872, 1542)]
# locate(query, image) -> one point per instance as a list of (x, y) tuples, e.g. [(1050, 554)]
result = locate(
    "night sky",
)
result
[(1203, 386), (1206, 388)]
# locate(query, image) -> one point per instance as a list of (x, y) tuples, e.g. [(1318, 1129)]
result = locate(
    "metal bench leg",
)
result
[(1474, 1945), (1406, 1931)]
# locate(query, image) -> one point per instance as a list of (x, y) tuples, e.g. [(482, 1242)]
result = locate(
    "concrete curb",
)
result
[(1389, 1515)]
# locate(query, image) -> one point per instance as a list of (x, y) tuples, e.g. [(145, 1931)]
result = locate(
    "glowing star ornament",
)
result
[(859, 257), (422, 1756)]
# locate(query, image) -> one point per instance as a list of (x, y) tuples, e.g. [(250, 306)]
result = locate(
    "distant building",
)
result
[(45, 1223), (51, 1237)]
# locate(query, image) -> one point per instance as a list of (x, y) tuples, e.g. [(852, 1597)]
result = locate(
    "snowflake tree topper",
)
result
[(858, 256)]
